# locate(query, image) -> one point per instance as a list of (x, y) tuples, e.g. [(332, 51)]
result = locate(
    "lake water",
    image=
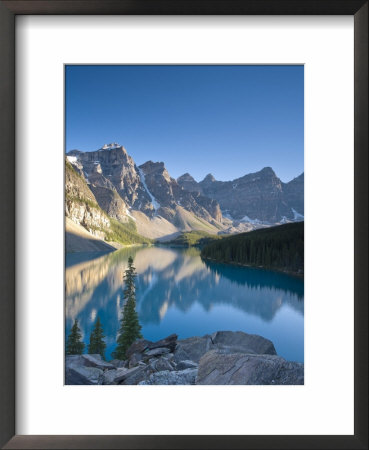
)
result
[(179, 293)]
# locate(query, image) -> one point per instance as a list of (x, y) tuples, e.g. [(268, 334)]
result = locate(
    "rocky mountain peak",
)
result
[(209, 178), (186, 177), (74, 152), (294, 195), (268, 171), (265, 177), (256, 197), (120, 187), (299, 179), (157, 170), (189, 183), (107, 156), (150, 166)]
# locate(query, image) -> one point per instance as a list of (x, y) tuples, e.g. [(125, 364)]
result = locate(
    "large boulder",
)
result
[(145, 346), (225, 341), (240, 342), (166, 377), (160, 364), (134, 375), (96, 361), (187, 364), (118, 363), (114, 376), (157, 352), (169, 342), (88, 361), (134, 360), (138, 346), (218, 368), (86, 369), (192, 348), (77, 375)]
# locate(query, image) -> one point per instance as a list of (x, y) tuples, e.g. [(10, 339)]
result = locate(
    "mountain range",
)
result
[(106, 185)]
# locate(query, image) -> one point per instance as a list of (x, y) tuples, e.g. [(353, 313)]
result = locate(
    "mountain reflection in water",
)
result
[(179, 293)]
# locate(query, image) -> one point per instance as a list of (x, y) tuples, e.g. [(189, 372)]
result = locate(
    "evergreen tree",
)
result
[(130, 329), (74, 344), (97, 344)]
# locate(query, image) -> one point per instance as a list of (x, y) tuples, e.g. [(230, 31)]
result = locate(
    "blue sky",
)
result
[(224, 120)]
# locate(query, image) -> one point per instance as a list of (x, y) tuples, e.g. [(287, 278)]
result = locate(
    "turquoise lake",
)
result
[(179, 293)]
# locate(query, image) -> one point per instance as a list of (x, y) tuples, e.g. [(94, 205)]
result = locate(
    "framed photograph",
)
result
[(169, 278), (185, 228)]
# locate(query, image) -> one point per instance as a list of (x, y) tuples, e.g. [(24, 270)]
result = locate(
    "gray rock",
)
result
[(134, 375), (96, 361), (192, 348), (94, 355), (108, 376), (134, 360), (77, 375), (160, 364), (179, 354), (167, 377), (226, 369), (224, 341), (73, 359), (138, 347), (118, 363), (114, 376), (157, 352), (240, 342), (168, 342), (187, 364), (88, 361)]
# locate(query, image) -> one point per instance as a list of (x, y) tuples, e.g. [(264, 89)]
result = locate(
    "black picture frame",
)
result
[(8, 12)]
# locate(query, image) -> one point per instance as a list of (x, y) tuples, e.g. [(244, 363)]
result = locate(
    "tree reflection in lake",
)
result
[(179, 293)]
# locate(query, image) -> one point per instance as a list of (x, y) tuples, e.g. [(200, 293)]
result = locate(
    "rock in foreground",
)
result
[(85, 369), (218, 368), (222, 358), (165, 377), (224, 341)]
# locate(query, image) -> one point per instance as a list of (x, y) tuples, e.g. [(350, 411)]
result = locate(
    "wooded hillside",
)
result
[(280, 247)]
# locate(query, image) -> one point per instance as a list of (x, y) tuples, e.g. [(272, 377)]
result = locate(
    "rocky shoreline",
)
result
[(222, 358)]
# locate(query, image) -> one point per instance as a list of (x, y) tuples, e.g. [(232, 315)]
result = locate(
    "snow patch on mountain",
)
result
[(72, 159), (252, 221), (110, 146), (155, 204), (226, 214)]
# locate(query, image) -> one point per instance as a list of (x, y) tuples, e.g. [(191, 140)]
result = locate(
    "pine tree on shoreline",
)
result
[(97, 344), (75, 346), (130, 329)]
